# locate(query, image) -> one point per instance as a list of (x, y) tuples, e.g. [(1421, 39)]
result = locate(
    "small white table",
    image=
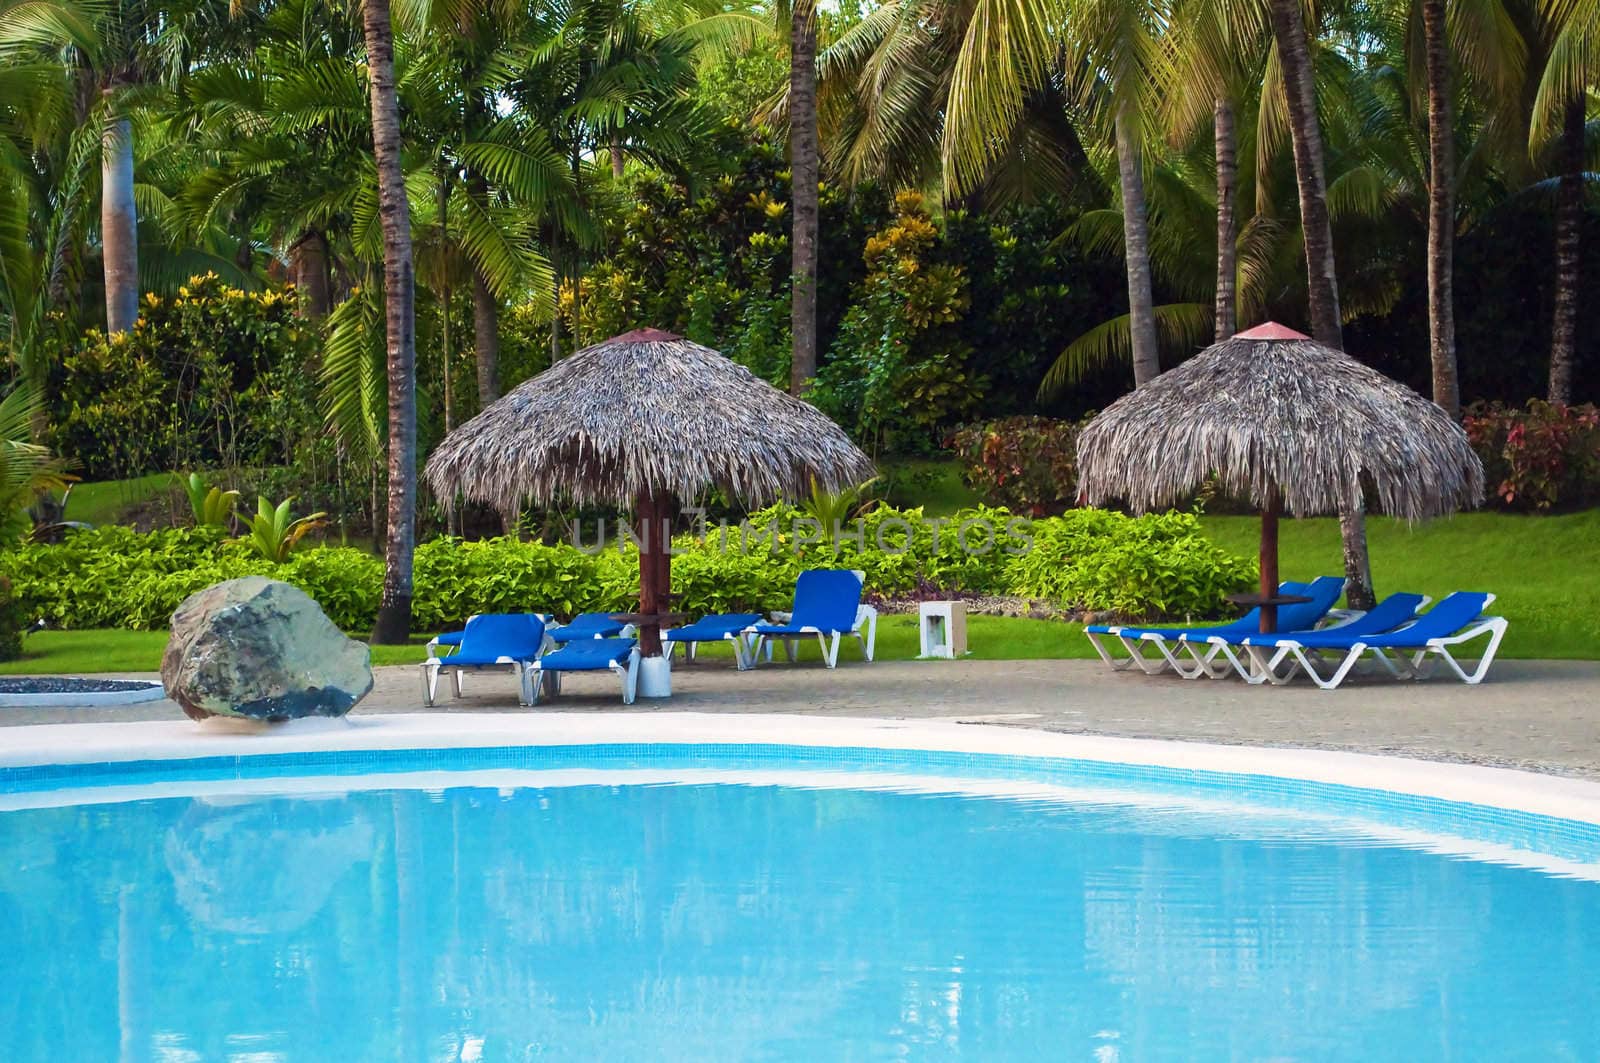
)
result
[(943, 626)]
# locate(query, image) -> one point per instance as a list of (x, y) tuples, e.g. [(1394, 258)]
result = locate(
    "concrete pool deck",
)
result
[(1533, 715)]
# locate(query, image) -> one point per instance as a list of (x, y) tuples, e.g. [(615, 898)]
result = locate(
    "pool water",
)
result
[(712, 922)]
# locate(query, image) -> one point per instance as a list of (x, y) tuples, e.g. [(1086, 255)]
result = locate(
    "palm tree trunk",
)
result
[(1322, 282), (119, 225), (311, 275), (1441, 213), (1225, 318), (1136, 246), (394, 607), (555, 319), (804, 166), (1569, 227), (486, 338), (452, 512), (617, 163)]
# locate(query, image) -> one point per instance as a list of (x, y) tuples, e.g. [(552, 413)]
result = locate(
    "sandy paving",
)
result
[(1540, 715)]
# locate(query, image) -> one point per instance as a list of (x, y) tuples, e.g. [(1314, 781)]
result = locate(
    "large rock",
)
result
[(262, 649)]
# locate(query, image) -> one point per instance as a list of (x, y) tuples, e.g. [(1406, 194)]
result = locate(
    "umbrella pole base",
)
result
[(655, 677)]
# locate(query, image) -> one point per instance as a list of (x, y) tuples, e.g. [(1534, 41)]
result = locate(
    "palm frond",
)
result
[(1178, 325)]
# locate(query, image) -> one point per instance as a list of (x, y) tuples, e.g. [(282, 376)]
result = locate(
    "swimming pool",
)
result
[(760, 900)]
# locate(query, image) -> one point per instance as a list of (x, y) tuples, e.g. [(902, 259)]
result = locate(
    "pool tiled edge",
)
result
[(1520, 810)]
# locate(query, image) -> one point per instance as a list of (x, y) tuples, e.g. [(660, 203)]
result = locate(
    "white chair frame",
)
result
[(1401, 662), (628, 673), (865, 629)]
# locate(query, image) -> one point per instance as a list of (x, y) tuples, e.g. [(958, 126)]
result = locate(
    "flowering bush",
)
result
[(1028, 464), (214, 376), (1540, 457)]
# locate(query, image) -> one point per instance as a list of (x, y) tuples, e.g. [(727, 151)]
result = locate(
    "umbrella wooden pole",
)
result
[(651, 571), (1269, 562)]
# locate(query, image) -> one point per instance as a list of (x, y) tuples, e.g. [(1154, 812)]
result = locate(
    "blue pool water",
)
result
[(712, 922)]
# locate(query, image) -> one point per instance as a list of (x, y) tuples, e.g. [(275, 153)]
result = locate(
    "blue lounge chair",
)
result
[(1213, 654), (451, 640), (729, 627), (592, 655), (1457, 619), (590, 626), (491, 640), (1134, 637), (1186, 650), (827, 603), (1267, 653)]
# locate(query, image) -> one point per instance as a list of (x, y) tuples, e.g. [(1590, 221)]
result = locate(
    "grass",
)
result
[(101, 502), (991, 638), (932, 483), (115, 650), (1543, 571)]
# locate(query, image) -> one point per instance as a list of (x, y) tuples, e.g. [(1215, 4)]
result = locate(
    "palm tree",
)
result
[(280, 145), (1482, 39), (140, 45), (1441, 211), (1572, 36), (596, 77), (46, 190), (1105, 52), (1217, 58), (1322, 283), (1299, 81), (26, 468), (393, 626), (804, 164)]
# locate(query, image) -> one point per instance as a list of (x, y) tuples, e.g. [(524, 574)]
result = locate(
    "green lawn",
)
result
[(1543, 571), (81, 652), (101, 502), (932, 483), (991, 638)]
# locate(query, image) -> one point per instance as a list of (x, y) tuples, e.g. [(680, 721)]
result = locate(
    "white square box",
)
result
[(944, 628)]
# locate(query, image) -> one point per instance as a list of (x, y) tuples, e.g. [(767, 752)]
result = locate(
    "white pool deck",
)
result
[(92, 743), (1455, 743)]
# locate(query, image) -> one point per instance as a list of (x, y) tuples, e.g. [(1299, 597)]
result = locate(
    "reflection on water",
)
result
[(289, 854), (714, 923)]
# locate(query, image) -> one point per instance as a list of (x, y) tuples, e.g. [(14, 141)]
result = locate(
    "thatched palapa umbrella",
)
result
[(1289, 424), (642, 420)]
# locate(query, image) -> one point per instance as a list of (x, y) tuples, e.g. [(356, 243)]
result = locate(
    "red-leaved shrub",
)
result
[(1540, 457), (1027, 464)]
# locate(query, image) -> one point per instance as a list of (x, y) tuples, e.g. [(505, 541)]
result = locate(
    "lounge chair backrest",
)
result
[(1451, 614), (827, 599), (517, 635), (1387, 615), (1323, 592), (1251, 621), (591, 620)]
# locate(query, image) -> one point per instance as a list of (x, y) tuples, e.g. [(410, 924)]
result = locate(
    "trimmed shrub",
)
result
[(1539, 457), (1029, 464), (13, 618), (1157, 565)]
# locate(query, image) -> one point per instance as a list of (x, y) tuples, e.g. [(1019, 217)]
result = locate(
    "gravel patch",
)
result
[(55, 684)]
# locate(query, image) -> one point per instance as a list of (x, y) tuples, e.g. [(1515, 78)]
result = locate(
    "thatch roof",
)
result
[(646, 411), (1259, 412)]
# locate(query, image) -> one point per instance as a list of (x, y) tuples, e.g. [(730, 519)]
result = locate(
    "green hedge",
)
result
[(1158, 565)]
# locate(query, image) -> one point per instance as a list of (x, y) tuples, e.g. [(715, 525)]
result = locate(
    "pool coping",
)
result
[(87, 699), (87, 744)]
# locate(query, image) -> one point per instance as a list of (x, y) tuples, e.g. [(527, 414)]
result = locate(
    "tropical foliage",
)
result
[(1084, 561), (296, 244)]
